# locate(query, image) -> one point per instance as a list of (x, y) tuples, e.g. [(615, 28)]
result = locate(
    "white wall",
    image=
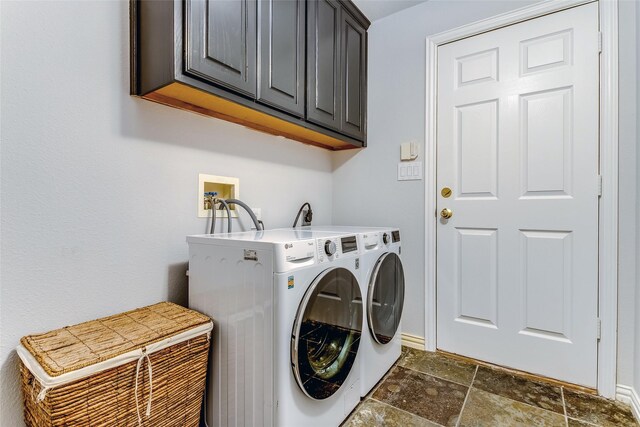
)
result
[(365, 187), (98, 188)]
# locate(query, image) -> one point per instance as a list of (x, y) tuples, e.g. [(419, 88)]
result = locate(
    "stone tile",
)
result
[(432, 398), (372, 413), (514, 387), (597, 410), (438, 365), (486, 409), (578, 423)]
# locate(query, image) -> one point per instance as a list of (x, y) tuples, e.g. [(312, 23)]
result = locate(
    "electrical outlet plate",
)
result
[(226, 187), (258, 213), (304, 215)]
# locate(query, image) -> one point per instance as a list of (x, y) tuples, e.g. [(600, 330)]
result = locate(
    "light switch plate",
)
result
[(408, 150), (409, 171)]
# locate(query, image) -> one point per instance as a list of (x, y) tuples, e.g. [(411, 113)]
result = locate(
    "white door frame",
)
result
[(608, 215)]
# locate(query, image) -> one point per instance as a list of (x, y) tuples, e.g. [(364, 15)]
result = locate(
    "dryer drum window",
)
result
[(326, 333), (385, 298)]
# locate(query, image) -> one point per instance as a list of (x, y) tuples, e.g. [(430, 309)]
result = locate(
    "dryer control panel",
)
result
[(371, 241)]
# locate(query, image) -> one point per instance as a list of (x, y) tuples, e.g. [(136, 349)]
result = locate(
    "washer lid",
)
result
[(385, 297), (326, 333)]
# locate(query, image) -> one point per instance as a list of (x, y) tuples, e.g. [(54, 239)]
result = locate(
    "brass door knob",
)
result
[(446, 213)]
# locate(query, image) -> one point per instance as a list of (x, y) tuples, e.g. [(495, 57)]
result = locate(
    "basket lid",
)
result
[(75, 347)]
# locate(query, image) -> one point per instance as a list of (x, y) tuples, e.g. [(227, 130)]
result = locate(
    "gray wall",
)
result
[(636, 383), (628, 310), (98, 188), (365, 187)]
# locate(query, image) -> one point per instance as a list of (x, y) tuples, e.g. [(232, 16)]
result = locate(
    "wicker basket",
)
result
[(146, 367)]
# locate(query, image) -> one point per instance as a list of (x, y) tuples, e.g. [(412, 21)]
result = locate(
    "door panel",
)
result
[(547, 280), (546, 142), (517, 130), (477, 68), (221, 42), (548, 51), (323, 67), (477, 149), (353, 77), (281, 54), (476, 287)]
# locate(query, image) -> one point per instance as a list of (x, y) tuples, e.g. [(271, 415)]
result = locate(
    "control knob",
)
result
[(385, 238), (329, 247)]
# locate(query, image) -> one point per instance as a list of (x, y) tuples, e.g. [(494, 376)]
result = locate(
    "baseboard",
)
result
[(413, 341), (629, 396)]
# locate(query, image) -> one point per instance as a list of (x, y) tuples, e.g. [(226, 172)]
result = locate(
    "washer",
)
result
[(383, 288), (288, 313)]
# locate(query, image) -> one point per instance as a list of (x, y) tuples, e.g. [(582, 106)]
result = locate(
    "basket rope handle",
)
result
[(139, 365), (42, 394)]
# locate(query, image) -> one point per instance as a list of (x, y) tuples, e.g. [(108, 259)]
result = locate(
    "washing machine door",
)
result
[(385, 298), (326, 333)]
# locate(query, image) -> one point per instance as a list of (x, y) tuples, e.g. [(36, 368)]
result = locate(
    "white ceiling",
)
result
[(376, 9)]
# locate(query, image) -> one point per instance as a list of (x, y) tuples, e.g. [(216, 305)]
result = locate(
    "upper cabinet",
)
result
[(336, 66), (221, 42), (281, 54), (353, 77), (323, 78), (294, 68)]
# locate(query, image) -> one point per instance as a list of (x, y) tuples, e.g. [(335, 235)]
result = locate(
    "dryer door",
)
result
[(385, 298), (326, 333)]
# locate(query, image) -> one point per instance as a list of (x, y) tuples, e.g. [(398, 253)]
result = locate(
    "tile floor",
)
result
[(427, 389)]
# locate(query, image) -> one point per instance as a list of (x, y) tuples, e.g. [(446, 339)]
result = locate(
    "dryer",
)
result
[(383, 288), (287, 309)]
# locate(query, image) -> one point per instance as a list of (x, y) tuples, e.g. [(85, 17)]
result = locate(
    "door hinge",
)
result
[(600, 41), (599, 185), (598, 329)]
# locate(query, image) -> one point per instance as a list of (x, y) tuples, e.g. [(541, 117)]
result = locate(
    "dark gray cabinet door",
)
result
[(281, 54), (353, 78), (221, 42), (323, 63)]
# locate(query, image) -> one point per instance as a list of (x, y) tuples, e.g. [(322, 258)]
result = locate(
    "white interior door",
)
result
[(517, 143)]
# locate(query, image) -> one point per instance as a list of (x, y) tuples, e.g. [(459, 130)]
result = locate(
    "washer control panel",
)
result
[(331, 248)]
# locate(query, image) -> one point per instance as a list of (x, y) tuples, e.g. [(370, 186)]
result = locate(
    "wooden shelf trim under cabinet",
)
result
[(188, 98)]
